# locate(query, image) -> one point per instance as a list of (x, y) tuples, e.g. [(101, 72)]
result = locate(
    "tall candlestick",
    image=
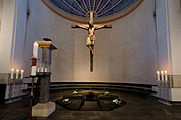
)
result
[(162, 75), (158, 75), (17, 73), (166, 76), (12, 73), (22, 72)]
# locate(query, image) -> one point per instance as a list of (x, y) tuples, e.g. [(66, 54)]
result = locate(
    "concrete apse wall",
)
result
[(174, 20), (6, 33), (1, 9), (127, 53)]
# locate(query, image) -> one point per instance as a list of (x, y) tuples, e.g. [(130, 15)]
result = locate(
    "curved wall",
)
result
[(1, 9), (127, 53)]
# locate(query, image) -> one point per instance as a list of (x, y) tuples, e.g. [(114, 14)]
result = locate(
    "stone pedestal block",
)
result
[(43, 109)]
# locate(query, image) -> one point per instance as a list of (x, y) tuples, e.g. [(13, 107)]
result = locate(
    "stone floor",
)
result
[(137, 107)]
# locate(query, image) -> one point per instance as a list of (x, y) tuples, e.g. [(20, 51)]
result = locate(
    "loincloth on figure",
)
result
[(90, 40)]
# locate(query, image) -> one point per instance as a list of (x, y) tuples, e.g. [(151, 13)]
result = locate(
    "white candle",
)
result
[(38, 69), (17, 73), (158, 75), (12, 73), (162, 75), (35, 50), (42, 69), (46, 70), (166, 77), (22, 72)]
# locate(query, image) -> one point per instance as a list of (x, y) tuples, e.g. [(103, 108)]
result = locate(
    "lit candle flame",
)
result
[(158, 75), (12, 69)]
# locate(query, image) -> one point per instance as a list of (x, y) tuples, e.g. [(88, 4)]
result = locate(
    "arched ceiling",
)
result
[(104, 10)]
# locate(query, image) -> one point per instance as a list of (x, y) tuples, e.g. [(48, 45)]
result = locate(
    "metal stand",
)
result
[(31, 98), (167, 90), (159, 84)]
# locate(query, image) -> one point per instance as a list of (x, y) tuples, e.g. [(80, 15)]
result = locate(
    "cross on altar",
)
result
[(90, 27)]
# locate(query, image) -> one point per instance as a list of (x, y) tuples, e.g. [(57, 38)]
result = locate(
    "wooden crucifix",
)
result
[(90, 27)]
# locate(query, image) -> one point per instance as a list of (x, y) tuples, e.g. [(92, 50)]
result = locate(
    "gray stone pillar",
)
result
[(44, 87), (45, 76)]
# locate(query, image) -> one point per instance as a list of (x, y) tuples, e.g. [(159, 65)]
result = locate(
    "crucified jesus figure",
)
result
[(90, 27)]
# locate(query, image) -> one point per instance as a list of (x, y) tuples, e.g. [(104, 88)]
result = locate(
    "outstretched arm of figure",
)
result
[(86, 27), (96, 27)]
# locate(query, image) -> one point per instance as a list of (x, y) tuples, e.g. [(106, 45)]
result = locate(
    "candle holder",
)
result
[(166, 84), (21, 81), (16, 80), (162, 79), (11, 81), (11, 85), (163, 84), (159, 83), (43, 68)]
